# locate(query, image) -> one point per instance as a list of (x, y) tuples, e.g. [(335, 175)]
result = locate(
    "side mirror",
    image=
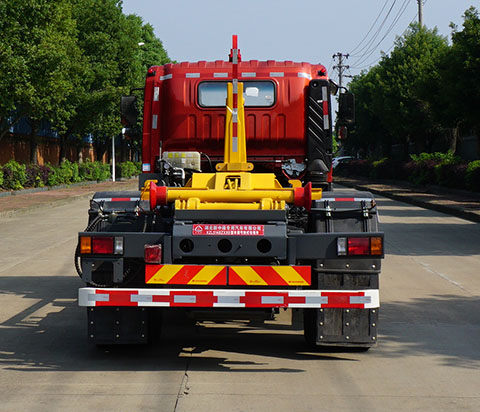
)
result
[(128, 110), (130, 133), (346, 109), (333, 87)]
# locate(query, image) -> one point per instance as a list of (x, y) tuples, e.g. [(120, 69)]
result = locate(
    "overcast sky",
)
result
[(305, 30)]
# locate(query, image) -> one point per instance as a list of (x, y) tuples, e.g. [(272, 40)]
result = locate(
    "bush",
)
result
[(451, 175), (423, 173), (64, 174), (437, 157), (128, 169), (104, 171), (138, 166), (14, 175), (89, 170), (444, 169), (472, 176), (37, 176)]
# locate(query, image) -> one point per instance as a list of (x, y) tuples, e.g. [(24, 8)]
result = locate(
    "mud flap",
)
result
[(117, 325), (341, 327)]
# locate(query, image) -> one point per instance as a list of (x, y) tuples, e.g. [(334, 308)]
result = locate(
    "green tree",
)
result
[(406, 83), (461, 74), (370, 136), (394, 104), (42, 39), (68, 62), (115, 64), (13, 68)]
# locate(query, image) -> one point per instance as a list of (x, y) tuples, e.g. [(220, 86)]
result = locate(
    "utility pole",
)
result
[(113, 158), (420, 13), (340, 67)]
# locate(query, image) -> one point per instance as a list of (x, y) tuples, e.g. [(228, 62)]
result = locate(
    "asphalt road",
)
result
[(428, 357)]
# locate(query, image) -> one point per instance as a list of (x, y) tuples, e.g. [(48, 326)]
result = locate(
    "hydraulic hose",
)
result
[(89, 228)]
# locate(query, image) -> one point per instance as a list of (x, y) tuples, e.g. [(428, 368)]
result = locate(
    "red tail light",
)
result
[(358, 246), (102, 245), (153, 253)]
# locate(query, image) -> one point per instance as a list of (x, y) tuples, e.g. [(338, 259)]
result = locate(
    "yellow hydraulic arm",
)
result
[(235, 156)]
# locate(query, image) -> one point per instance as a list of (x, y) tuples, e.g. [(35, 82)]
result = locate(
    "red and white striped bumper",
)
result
[(235, 298)]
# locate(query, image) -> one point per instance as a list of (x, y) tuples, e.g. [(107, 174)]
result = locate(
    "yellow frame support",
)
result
[(235, 154)]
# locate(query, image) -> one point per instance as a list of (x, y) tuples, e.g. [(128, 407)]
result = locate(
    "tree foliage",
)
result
[(464, 73), (68, 62), (39, 57), (418, 96)]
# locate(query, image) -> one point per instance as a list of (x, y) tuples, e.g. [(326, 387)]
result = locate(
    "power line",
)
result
[(392, 46), (368, 53), (377, 32), (371, 27), (330, 65)]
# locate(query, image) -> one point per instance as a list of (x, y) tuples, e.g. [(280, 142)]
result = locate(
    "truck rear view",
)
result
[(235, 209)]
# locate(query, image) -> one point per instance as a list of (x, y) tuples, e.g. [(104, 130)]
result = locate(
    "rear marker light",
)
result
[(153, 253), (151, 72), (342, 246), (102, 245), (358, 246), (85, 245), (118, 246), (376, 246)]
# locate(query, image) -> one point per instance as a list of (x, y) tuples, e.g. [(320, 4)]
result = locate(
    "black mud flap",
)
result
[(341, 327), (117, 325)]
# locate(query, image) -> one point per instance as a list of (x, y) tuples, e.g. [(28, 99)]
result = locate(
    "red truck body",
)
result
[(174, 118)]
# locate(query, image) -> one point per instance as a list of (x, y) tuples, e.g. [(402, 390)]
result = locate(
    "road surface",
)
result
[(428, 357)]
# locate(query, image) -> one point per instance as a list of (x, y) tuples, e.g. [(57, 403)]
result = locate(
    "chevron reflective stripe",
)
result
[(270, 275), (185, 275), (236, 275), (230, 298)]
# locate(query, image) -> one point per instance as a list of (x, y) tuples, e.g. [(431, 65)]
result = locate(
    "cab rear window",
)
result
[(255, 93)]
